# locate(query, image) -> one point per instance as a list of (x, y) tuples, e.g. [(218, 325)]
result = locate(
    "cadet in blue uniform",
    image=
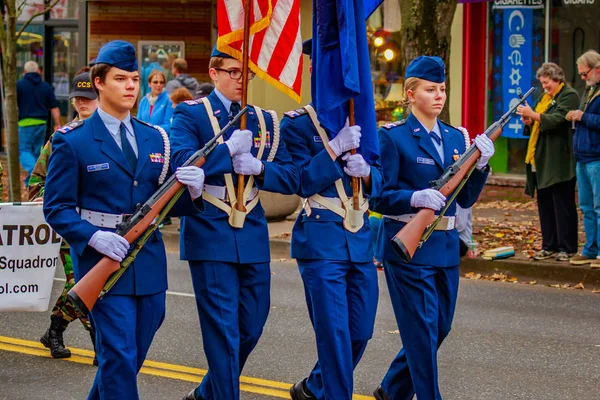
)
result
[(414, 152), (228, 251), (335, 259), (99, 170)]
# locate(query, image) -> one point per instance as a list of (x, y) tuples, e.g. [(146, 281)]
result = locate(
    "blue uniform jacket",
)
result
[(161, 113), (209, 237), (87, 169), (321, 236), (586, 142), (409, 162)]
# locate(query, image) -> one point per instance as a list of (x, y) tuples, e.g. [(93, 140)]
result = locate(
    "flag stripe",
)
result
[(275, 40)]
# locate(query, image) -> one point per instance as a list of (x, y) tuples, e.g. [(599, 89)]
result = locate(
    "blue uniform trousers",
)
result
[(125, 326), (424, 300), (233, 302), (342, 302)]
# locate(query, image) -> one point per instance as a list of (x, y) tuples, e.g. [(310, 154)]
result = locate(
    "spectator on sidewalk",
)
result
[(179, 95), (205, 89), (35, 98), (182, 79), (155, 107), (586, 146), (550, 165)]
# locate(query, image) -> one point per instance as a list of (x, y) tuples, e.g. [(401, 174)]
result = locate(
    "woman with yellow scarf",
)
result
[(550, 163)]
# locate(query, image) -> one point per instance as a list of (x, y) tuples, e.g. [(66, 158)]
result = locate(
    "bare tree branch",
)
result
[(37, 14), (21, 7)]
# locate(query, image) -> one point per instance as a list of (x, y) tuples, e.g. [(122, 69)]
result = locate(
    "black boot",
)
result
[(300, 392), (93, 337), (53, 338)]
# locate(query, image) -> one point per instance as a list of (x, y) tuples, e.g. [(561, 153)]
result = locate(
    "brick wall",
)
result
[(171, 20)]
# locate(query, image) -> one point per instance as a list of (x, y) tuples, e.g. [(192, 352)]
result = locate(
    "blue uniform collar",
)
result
[(226, 102), (113, 124)]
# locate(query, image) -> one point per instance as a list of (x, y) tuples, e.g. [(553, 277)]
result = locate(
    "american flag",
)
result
[(275, 40)]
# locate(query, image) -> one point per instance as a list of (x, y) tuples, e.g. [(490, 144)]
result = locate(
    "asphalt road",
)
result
[(509, 341)]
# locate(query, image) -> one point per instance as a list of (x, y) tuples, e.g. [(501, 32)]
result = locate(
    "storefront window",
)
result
[(64, 9), (384, 46), (30, 46), (574, 30)]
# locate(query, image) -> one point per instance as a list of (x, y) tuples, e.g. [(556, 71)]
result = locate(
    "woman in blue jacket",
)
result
[(155, 107)]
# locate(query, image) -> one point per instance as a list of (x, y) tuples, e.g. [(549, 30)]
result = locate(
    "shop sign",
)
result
[(513, 57)]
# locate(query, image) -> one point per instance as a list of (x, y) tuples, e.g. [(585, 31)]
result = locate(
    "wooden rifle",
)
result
[(418, 229)]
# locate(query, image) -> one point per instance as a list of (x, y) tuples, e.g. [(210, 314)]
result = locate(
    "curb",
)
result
[(533, 270), (519, 268)]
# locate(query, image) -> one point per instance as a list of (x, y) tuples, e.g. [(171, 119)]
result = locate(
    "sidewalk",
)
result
[(495, 224)]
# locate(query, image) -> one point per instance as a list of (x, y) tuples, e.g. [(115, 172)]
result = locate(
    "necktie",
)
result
[(435, 137), (126, 147), (234, 110)]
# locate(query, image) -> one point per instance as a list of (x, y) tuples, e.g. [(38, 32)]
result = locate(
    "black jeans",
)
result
[(558, 217)]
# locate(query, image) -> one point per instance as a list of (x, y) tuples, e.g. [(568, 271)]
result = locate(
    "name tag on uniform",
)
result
[(317, 139), (426, 161), (97, 167)]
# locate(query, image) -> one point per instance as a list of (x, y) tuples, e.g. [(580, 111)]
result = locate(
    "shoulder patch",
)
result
[(192, 102), (143, 122), (70, 126), (296, 113), (394, 124)]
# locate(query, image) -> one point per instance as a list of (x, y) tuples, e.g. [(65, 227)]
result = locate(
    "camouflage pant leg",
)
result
[(63, 307)]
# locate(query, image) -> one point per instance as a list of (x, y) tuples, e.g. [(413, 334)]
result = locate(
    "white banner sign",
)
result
[(29, 255)]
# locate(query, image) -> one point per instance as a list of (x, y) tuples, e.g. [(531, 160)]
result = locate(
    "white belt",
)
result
[(103, 220), (446, 224), (220, 192), (335, 200)]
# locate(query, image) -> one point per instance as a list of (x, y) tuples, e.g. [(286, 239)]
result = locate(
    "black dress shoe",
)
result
[(379, 394), (191, 395), (300, 392)]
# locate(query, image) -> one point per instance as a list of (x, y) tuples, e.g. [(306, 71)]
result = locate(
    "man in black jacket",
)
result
[(34, 98)]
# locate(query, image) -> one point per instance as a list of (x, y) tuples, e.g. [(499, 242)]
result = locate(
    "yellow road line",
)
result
[(156, 368)]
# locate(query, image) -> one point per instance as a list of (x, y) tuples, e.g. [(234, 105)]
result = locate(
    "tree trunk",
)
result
[(9, 77), (425, 30)]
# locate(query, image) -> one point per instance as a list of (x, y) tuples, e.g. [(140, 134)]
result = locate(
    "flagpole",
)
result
[(351, 121), (240, 206)]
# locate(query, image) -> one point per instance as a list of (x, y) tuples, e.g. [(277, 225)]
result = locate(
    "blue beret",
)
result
[(119, 54), (218, 53), (307, 47), (429, 68)]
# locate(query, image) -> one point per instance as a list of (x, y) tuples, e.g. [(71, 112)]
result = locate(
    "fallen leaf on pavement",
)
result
[(532, 282), (579, 286)]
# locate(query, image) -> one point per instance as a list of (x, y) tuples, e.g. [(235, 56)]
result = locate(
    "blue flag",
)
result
[(341, 69)]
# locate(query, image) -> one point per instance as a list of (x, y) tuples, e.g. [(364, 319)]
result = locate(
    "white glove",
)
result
[(346, 139), (247, 164), (356, 165), (193, 178), (239, 142), (110, 244), (428, 198), (486, 147)]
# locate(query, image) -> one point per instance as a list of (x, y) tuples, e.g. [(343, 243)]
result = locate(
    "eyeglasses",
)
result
[(236, 74), (585, 74), (158, 82)]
